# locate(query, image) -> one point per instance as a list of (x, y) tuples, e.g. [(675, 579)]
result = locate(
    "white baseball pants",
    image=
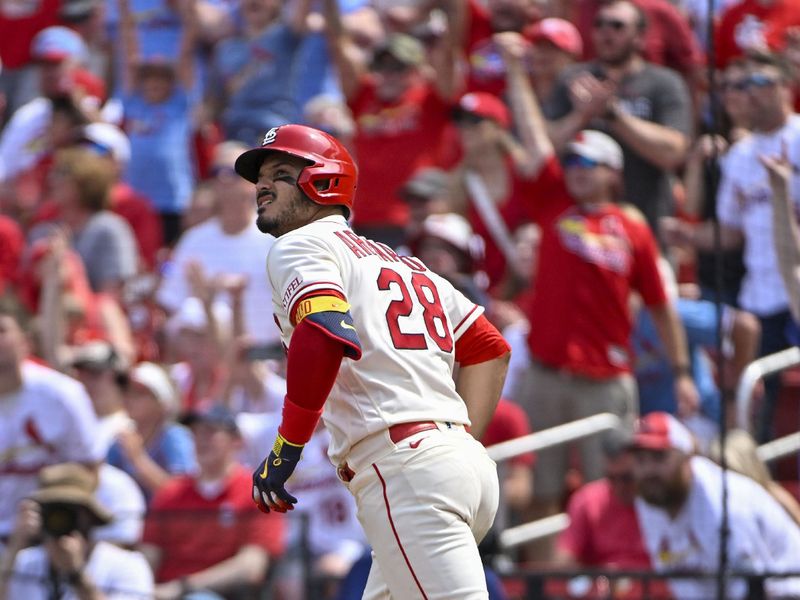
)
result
[(424, 504)]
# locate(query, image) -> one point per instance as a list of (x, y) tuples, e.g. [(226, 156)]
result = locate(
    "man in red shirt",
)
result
[(201, 532), (401, 107), (593, 254)]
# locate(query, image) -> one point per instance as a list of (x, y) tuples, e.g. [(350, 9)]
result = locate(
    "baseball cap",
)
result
[(155, 380), (455, 230), (73, 484), (427, 182), (404, 48), (97, 355), (485, 105), (110, 139), (57, 43), (217, 414), (662, 431), (597, 146), (559, 32)]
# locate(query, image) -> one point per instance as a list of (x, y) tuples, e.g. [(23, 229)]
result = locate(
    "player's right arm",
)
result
[(483, 356)]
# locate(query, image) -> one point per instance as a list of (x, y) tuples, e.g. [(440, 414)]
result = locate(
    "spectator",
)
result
[(81, 184), (754, 26), (555, 46), (47, 419), (483, 20), (157, 115), (59, 54), (257, 71), (580, 325), (253, 385), (643, 106), (744, 210), (211, 511), (429, 191), (158, 449), (401, 106), (679, 514), (702, 164), (12, 243), (68, 563), (120, 494), (103, 373), (741, 455), (491, 178), (668, 39), (228, 244)]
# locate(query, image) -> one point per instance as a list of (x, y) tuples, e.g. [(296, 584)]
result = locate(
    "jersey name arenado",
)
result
[(407, 319)]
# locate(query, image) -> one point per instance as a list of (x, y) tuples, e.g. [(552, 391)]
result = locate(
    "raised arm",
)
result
[(445, 56), (525, 108), (340, 47), (129, 45), (187, 10)]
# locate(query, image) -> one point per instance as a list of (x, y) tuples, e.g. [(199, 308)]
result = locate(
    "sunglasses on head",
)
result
[(576, 160), (613, 24)]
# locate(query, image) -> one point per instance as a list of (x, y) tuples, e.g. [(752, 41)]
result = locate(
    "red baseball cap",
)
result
[(559, 32), (485, 105), (662, 431)]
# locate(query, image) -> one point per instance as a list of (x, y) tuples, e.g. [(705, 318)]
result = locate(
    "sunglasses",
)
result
[(390, 66), (222, 171), (582, 162), (464, 117), (613, 24), (755, 80)]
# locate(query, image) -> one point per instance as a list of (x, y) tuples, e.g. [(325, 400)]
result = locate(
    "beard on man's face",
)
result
[(665, 493)]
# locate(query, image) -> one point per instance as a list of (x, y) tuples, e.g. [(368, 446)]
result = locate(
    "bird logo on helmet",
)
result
[(331, 174)]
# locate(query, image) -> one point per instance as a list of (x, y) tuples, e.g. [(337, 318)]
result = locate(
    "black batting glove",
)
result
[(270, 478)]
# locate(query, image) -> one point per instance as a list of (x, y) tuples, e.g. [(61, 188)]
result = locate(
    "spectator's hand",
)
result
[(708, 146), (512, 46), (68, 552), (675, 232), (131, 442), (686, 396), (590, 97), (28, 523), (779, 169), (202, 287), (172, 590), (233, 283)]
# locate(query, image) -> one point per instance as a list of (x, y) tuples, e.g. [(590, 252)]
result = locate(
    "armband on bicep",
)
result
[(331, 315)]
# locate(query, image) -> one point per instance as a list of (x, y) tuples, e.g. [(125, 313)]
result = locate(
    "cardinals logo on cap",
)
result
[(270, 136)]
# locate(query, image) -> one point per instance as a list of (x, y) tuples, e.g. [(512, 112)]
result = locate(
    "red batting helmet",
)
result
[(329, 178)]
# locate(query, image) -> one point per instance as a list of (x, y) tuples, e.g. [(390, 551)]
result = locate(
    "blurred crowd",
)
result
[(615, 180)]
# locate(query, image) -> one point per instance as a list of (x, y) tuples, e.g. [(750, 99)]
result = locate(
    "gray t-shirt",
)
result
[(108, 249), (655, 94)]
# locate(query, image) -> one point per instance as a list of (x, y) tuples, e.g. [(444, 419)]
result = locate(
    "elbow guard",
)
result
[(332, 316)]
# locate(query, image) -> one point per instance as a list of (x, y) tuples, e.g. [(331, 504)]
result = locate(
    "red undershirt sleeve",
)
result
[(481, 342), (312, 366)]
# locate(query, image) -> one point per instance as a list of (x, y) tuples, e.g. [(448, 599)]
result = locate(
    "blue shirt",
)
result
[(172, 450), (161, 166), (653, 370)]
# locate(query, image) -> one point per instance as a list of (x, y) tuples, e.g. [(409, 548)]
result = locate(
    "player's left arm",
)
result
[(483, 356)]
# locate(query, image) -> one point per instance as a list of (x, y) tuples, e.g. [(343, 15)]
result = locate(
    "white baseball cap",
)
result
[(597, 146), (111, 138), (456, 231), (156, 380)]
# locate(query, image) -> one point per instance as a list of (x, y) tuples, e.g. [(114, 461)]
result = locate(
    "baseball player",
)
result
[(425, 489)]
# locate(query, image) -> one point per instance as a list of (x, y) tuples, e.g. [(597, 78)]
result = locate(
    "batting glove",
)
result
[(269, 479)]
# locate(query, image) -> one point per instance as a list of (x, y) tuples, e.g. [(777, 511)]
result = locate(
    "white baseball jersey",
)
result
[(762, 535), (49, 420), (407, 319), (744, 202)]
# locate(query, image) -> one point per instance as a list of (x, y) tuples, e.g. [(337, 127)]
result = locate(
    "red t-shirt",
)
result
[(18, 33), (12, 243), (394, 139), (603, 531), (589, 262), (668, 39), (509, 422), (487, 72), (195, 533), (143, 218), (750, 23), (513, 212)]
